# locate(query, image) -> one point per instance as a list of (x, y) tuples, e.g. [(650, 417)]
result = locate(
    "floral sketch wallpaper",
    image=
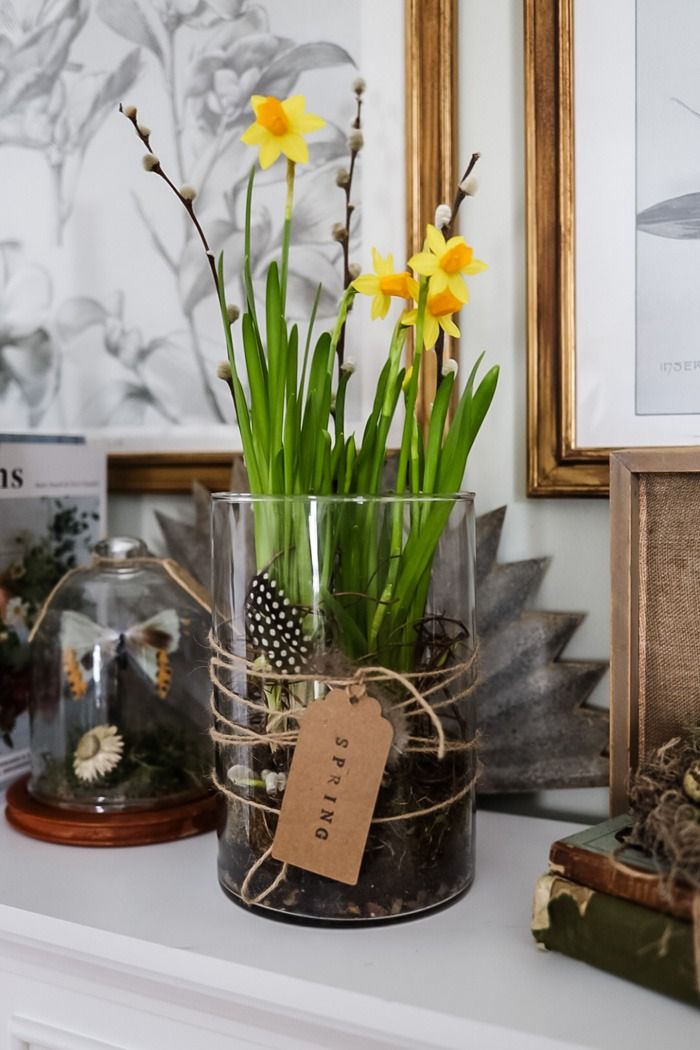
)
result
[(107, 319)]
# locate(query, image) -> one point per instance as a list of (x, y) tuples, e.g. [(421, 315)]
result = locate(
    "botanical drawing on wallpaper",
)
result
[(98, 332), (668, 207)]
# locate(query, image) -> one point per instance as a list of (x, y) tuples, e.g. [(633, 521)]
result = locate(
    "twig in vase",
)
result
[(445, 221), (341, 231)]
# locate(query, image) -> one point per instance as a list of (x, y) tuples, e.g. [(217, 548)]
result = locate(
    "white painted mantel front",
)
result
[(138, 949)]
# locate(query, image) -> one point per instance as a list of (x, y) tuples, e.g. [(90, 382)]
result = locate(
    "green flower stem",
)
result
[(409, 422), (287, 231)]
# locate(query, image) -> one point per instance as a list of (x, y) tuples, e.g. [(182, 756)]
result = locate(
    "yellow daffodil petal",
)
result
[(256, 102), (438, 282), (294, 106), (254, 135), (270, 150), (476, 266), (301, 121), (457, 285), (455, 242), (423, 263), (380, 305), (431, 330), (448, 325), (409, 317), (366, 283), (294, 147), (309, 122), (434, 239), (382, 264)]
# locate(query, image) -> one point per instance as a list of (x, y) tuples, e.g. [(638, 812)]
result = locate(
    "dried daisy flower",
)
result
[(97, 753)]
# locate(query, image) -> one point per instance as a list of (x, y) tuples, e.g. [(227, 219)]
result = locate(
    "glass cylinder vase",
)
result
[(314, 593)]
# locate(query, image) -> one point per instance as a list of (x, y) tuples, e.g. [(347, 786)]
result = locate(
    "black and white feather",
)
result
[(275, 626)]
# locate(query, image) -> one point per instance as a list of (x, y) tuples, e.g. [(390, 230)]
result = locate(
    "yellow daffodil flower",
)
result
[(444, 262), (385, 283), (279, 127), (438, 314)]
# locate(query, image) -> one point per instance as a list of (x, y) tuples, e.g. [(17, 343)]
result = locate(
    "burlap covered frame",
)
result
[(655, 625)]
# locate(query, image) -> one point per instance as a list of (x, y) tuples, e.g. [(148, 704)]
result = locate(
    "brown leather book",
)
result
[(599, 859)]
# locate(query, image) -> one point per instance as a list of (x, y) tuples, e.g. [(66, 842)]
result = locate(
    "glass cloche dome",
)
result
[(119, 709)]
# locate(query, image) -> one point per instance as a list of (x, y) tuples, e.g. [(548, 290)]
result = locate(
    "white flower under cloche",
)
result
[(98, 752)]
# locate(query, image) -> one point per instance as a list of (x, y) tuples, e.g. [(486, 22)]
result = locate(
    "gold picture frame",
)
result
[(431, 172), (655, 615), (556, 465)]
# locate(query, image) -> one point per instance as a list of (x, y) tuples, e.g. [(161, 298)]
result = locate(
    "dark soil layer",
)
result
[(408, 866)]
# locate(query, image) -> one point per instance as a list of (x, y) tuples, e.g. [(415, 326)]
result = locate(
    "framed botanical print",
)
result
[(612, 121), (108, 324)]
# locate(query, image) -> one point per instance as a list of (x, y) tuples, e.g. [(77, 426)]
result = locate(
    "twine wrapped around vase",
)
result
[(417, 703)]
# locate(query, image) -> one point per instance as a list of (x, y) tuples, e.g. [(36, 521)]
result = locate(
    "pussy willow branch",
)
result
[(349, 209), (447, 231), (187, 204)]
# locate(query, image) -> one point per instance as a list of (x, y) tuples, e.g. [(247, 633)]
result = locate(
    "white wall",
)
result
[(574, 533)]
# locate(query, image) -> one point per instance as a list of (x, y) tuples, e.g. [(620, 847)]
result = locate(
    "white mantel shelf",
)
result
[(138, 949)]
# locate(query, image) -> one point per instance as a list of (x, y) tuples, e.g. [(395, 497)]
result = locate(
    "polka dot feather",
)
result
[(275, 626)]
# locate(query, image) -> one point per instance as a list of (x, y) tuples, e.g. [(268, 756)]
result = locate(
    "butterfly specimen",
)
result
[(87, 646), (276, 626)]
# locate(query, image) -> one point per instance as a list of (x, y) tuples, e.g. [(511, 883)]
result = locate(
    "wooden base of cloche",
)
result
[(76, 828)]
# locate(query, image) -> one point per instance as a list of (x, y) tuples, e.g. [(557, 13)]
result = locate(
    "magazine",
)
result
[(52, 511)]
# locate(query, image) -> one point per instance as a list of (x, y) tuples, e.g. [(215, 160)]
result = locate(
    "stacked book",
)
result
[(614, 907)]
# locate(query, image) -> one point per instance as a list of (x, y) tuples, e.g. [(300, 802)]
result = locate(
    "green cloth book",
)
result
[(640, 944)]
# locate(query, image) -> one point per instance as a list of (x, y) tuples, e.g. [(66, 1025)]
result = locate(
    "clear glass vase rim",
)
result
[(403, 497)]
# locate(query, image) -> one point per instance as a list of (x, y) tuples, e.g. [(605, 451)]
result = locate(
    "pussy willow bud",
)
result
[(450, 367), (223, 371), (232, 312), (356, 140), (130, 112), (359, 86), (354, 269), (339, 232), (469, 186), (342, 177), (443, 215), (143, 131), (151, 162), (348, 366), (188, 192)]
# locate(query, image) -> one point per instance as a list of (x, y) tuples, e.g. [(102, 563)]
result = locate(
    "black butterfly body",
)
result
[(276, 626)]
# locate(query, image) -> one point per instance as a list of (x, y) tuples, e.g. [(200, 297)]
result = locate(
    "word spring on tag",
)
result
[(334, 780)]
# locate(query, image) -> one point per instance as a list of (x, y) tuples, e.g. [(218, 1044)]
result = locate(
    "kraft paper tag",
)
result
[(334, 779)]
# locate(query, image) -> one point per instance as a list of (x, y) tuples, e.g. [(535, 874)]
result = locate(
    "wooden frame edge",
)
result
[(626, 466), (430, 28), (624, 639), (555, 467), (431, 42)]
